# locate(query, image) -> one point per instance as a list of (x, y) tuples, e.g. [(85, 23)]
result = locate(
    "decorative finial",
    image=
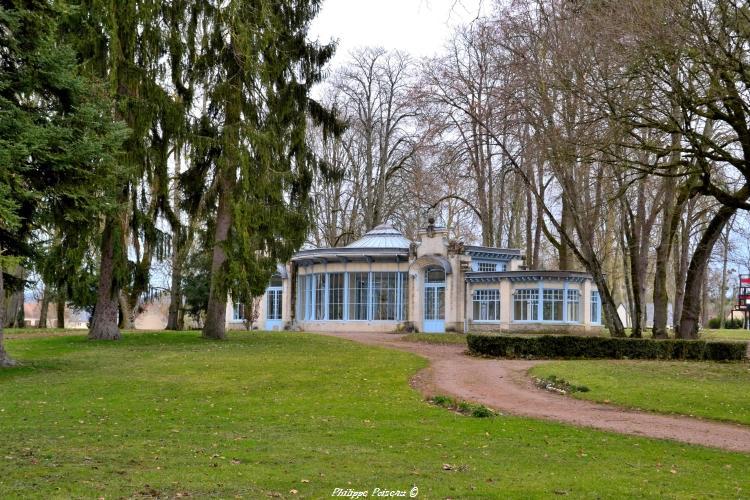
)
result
[(431, 227)]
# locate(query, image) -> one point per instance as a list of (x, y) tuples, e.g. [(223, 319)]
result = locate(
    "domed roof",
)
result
[(382, 236)]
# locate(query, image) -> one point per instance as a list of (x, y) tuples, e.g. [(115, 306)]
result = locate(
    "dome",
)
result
[(382, 236)]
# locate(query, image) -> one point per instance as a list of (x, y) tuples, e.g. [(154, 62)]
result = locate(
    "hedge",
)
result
[(572, 347)]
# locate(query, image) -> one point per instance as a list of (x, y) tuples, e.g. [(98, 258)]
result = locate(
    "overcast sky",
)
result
[(419, 27)]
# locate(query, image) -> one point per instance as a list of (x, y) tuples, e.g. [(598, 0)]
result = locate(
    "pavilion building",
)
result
[(384, 282)]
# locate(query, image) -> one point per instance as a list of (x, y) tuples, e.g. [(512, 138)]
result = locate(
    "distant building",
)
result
[(384, 282), (74, 319)]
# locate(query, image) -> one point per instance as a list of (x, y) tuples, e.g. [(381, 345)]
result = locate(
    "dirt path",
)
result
[(504, 386)]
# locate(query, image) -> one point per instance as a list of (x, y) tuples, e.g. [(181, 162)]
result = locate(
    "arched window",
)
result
[(275, 281), (434, 275)]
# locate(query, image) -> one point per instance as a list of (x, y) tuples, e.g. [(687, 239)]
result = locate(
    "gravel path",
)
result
[(504, 386)]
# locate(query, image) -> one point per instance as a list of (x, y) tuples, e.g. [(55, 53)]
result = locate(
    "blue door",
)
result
[(434, 300), (273, 309)]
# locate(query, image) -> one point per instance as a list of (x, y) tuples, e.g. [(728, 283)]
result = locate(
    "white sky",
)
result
[(419, 27)]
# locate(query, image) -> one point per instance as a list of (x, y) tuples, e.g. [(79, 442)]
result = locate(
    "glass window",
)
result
[(238, 311), (301, 297), (403, 284), (320, 297), (358, 295), (275, 281), (273, 303), (434, 303), (552, 309), (336, 296), (434, 275), (574, 306), (487, 267), (525, 304), (596, 307), (384, 296), (486, 305)]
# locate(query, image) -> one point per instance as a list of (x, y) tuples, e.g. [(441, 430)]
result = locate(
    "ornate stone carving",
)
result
[(455, 247)]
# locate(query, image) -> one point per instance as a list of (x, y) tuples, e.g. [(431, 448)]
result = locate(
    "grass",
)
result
[(437, 338), (725, 334), (295, 415), (719, 391)]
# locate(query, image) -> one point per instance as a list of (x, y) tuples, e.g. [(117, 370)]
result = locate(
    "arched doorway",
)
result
[(434, 300)]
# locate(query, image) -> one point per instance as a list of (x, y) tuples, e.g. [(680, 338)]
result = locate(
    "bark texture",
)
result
[(60, 309), (5, 360), (692, 302), (216, 313), (175, 302), (104, 321), (44, 310)]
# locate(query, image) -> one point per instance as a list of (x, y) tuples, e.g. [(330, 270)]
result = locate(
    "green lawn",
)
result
[(718, 391), (725, 334), (437, 338), (169, 414)]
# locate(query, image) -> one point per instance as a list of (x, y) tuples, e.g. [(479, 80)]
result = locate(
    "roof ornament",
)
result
[(431, 227)]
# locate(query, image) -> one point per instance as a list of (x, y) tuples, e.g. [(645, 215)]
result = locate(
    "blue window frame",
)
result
[(596, 308), (573, 306), (357, 302), (552, 309), (489, 267), (355, 296), (487, 305), (273, 303), (525, 304), (336, 296)]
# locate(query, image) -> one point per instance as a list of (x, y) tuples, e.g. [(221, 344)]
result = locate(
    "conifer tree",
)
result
[(139, 48), (58, 139), (257, 69)]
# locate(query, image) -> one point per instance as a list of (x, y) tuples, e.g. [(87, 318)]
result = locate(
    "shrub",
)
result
[(572, 347), (444, 401), (729, 323)]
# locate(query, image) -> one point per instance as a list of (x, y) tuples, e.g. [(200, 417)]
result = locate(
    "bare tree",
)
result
[(380, 142)]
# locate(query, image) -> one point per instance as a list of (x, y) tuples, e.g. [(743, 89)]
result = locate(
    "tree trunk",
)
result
[(670, 221), (637, 310), (704, 299), (5, 360), (127, 311), (104, 321), (627, 276), (681, 266), (691, 306), (14, 305), (175, 293), (44, 309), (723, 295), (564, 251), (60, 309), (670, 216), (529, 231), (216, 314), (539, 204), (611, 318)]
